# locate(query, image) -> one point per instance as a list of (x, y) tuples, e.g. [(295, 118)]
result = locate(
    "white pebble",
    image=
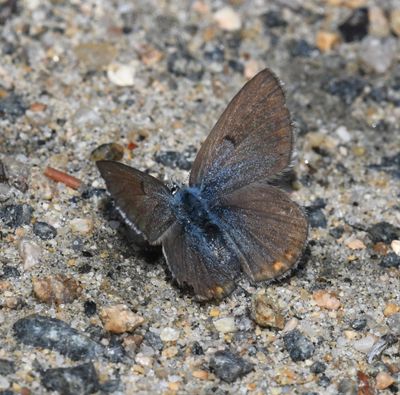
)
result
[(169, 334), (364, 344), (121, 74), (225, 325), (4, 383), (378, 54), (343, 134), (81, 225), (228, 19), (396, 246), (30, 253)]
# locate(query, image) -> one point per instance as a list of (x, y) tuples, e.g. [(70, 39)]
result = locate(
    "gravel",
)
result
[(144, 82)]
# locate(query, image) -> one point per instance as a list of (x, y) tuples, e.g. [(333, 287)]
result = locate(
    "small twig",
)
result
[(59, 176)]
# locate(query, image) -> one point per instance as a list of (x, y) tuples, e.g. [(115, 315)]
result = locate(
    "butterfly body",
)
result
[(230, 219)]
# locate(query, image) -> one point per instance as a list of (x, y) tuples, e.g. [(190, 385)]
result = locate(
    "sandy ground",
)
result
[(83, 309)]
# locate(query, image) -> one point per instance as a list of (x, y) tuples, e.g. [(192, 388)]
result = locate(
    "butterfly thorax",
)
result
[(192, 210)]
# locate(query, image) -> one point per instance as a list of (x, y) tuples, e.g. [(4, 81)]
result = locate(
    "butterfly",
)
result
[(230, 218)]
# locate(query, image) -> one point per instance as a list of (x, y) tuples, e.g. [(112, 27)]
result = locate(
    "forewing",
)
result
[(143, 201), (201, 261), (268, 230), (251, 141)]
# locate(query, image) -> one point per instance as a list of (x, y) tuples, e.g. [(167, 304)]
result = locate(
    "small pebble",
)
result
[(395, 21), (58, 289), (119, 319), (225, 325), (355, 28), (200, 374), (378, 23), (378, 54), (228, 19), (109, 151), (298, 346), (390, 309), (326, 300), (86, 117), (318, 367), (80, 379), (95, 56), (343, 134), (44, 230), (6, 367), (81, 225), (121, 74), (15, 215), (383, 380), (182, 64), (364, 344), (228, 366), (346, 88), (170, 352), (90, 308), (355, 244), (383, 232), (169, 334), (272, 19), (391, 260), (359, 324), (51, 333), (4, 383), (30, 253), (395, 244), (326, 41), (265, 314), (393, 322)]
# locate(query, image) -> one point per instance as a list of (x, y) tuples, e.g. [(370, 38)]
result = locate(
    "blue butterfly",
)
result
[(230, 218)]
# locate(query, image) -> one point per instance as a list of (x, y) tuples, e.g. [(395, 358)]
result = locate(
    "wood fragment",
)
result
[(64, 178)]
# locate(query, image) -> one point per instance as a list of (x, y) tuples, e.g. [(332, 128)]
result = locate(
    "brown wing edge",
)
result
[(196, 169)]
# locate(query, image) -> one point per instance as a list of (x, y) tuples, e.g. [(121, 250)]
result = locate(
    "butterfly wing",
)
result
[(267, 229), (251, 141), (201, 261), (142, 200)]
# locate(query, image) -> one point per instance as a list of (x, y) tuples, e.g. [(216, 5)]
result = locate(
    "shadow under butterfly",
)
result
[(230, 218)]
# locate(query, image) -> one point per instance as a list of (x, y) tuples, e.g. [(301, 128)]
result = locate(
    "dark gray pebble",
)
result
[(389, 164), (6, 367), (197, 349), (318, 367), (355, 28), (174, 159), (358, 324), (90, 308), (12, 107), (384, 232), (273, 19), (81, 379), (336, 232), (316, 216), (15, 215), (182, 64), (347, 387), (298, 346), (44, 230), (54, 334), (228, 366), (391, 260), (324, 380), (301, 48), (348, 88), (153, 340), (8, 271)]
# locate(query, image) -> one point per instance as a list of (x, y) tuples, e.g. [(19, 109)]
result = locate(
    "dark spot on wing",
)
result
[(231, 140)]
